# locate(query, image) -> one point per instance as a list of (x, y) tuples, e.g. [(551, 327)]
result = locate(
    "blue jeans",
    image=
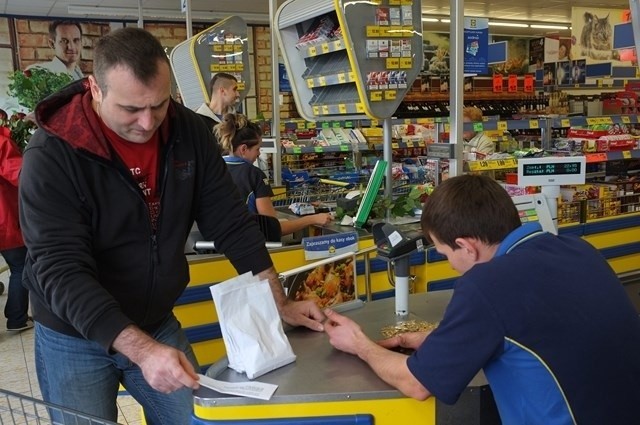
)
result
[(17, 306), (78, 374)]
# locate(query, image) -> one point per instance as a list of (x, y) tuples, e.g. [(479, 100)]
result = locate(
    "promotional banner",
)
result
[(318, 247), (592, 30), (476, 46)]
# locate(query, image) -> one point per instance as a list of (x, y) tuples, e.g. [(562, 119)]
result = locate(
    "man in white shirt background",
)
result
[(65, 38)]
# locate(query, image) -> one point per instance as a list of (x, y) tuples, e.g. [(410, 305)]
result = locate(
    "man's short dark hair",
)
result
[(53, 26), (469, 206), (134, 48), (218, 78)]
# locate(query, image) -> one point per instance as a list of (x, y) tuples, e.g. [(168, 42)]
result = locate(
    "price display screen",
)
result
[(551, 169)]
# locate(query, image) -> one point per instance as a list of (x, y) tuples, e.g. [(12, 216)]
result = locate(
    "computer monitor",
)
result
[(370, 193)]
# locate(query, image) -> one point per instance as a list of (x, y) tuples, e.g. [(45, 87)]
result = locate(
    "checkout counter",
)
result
[(327, 386)]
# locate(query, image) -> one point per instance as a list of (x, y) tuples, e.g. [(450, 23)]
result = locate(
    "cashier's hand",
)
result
[(345, 334), (411, 340), (302, 313)]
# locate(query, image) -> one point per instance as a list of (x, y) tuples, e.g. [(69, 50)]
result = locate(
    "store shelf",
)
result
[(322, 48)]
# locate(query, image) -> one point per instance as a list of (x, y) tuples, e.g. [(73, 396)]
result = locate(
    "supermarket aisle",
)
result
[(17, 369)]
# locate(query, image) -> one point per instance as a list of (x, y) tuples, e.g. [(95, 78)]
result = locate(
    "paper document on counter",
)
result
[(253, 389)]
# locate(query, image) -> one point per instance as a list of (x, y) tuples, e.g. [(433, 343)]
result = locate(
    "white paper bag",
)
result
[(251, 326)]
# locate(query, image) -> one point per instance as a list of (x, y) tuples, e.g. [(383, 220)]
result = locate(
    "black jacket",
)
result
[(94, 264)]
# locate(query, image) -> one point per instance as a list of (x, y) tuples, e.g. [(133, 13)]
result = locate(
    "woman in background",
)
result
[(477, 143), (11, 244), (240, 140)]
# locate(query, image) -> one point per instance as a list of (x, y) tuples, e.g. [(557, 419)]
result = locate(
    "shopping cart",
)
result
[(18, 409), (313, 191)]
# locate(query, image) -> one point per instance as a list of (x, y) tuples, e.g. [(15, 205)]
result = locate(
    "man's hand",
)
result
[(302, 313), (411, 340), (165, 368), (295, 313)]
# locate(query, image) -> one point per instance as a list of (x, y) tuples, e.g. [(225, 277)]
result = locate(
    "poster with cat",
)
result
[(592, 30)]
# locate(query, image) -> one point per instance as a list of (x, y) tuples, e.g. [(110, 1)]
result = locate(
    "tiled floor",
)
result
[(17, 369)]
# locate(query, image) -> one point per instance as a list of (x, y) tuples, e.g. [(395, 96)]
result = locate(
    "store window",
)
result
[(6, 66)]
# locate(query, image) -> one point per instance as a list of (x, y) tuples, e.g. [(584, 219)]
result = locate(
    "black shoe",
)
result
[(27, 325)]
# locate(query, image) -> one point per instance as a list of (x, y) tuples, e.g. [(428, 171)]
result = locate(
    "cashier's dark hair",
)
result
[(134, 48), (236, 130), (469, 206)]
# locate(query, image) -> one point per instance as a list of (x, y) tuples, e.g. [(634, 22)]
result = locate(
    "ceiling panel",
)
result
[(558, 11)]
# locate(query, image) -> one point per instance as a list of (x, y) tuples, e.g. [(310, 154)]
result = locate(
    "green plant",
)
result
[(33, 85), (400, 206)]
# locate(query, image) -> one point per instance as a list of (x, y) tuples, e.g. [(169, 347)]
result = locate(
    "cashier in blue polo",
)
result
[(544, 316)]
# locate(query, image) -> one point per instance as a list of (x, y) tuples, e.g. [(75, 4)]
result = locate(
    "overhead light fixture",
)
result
[(550, 27), (446, 21), (508, 24), (124, 12), (425, 19)]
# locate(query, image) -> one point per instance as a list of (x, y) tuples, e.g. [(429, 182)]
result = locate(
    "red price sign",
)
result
[(528, 83), (512, 83), (497, 83)]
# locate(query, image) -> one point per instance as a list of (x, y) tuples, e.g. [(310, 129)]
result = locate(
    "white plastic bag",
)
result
[(251, 326)]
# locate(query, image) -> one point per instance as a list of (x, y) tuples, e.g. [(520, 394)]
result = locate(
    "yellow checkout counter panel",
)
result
[(324, 383)]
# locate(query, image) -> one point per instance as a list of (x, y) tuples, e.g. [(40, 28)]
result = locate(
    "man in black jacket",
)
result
[(111, 184)]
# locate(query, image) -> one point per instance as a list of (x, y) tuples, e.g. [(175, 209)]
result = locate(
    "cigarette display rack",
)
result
[(222, 47), (348, 60)]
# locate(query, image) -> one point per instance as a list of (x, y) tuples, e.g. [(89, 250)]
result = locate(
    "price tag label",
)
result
[(447, 128), (528, 83), (512, 83), (338, 44), (336, 124), (565, 123), (626, 154), (322, 81), (376, 96), (316, 110), (374, 123), (592, 121), (325, 109), (395, 145), (325, 47), (626, 119), (406, 63), (312, 51), (606, 120), (301, 125), (534, 124), (342, 108), (310, 83), (426, 120), (344, 148), (410, 144), (390, 95), (297, 149), (348, 124), (497, 83), (478, 126), (325, 125), (342, 78), (595, 157), (318, 149), (502, 125), (360, 108)]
